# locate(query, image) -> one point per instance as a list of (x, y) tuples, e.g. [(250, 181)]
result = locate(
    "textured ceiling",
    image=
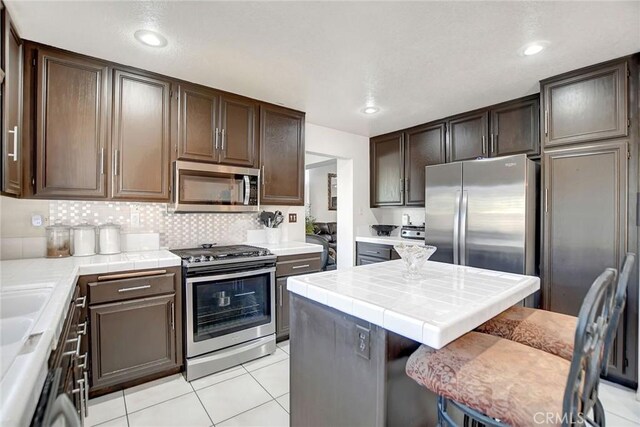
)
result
[(417, 61)]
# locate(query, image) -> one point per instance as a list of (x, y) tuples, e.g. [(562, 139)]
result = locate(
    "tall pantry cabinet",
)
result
[(590, 171)]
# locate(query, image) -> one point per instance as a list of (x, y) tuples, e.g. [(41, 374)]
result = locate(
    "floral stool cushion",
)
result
[(517, 384), (541, 329)]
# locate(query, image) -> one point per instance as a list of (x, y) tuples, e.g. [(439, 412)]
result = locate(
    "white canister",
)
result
[(109, 239), (84, 240), (273, 235)]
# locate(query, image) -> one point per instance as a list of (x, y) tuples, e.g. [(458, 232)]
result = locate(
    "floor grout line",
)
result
[(126, 412), (251, 409), (256, 380), (205, 408), (158, 403)]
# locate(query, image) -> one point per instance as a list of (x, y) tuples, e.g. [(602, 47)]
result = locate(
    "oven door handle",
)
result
[(229, 276)]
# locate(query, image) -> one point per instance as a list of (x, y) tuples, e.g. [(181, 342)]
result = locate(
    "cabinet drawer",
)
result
[(376, 251), (297, 265), (154, 283)]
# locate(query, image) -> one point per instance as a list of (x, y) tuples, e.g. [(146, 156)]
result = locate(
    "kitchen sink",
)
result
[(19, 311), (14, 330), (22, 303)]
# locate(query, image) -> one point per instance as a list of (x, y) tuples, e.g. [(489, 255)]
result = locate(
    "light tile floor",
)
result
[(251, 395)]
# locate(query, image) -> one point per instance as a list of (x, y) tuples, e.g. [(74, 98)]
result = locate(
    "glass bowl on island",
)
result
[(414, 257)]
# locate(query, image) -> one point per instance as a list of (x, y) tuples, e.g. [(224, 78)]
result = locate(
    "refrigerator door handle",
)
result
[(463, 228), (456, 229)]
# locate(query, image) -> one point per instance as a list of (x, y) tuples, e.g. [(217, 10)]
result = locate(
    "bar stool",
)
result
[(500, 382), (554, 332)]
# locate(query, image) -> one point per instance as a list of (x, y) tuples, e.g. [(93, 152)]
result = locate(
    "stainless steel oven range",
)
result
[(229, 305)]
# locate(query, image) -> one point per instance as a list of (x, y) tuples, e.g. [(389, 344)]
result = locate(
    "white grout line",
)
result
[(204, 407), (251, 409)]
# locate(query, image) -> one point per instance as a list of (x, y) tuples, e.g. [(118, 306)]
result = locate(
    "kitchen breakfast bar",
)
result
[(352, 331)]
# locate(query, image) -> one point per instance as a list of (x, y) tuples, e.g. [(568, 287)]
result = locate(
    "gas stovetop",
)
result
[(213, 255)]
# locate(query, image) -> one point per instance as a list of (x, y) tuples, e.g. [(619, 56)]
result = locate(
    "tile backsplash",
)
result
[(175, 230)]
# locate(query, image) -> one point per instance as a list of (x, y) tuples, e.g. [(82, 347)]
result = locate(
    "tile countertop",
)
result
[(290, 248), (444, 304), (21, 385), (388, 240)]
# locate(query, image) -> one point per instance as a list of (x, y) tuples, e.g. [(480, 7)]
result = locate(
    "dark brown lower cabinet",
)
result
[(371, 253), (288, 266), (132, 339), (134, 325), (282, 308)]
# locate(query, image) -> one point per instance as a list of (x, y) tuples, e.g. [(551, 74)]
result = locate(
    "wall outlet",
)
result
[(293, 217), (37, 220), (363, 342)]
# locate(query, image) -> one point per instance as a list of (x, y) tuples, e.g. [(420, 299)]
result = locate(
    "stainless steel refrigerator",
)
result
[(482, 213)]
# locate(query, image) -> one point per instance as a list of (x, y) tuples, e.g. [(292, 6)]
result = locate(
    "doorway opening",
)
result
[(322, 204)]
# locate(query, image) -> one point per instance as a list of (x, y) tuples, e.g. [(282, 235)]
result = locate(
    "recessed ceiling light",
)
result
[(532, 49), (150, 38), (370, 110)]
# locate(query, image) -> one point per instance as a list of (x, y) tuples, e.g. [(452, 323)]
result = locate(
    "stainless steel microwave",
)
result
[(201, 187)]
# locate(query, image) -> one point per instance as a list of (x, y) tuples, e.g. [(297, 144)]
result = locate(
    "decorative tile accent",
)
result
[(176, 230)]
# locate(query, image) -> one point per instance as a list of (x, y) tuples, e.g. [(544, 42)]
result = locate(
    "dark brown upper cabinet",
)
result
[(281, 156), (387, 170), (586, 106), (468, 136), (515, 127), (198, 139), (12, 63), (71, 119), (140, 136), (423, 146), (237, 139), (216, 128)]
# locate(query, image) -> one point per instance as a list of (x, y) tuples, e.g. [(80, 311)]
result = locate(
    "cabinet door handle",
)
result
[(134, 288), (406, 181), (546, 200), (15, 144), (224, 133), (546, 122), (84, 358), (116, 161), (280, 296), (263, 177), (173, 317), (216, 138), (373, 252), (493, 147), (484, 145), (82, 328), (295, 267), (81, 302), (76, 352), (102, 161)]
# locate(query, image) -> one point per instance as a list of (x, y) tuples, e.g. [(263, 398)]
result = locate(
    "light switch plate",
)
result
[(293, 217)]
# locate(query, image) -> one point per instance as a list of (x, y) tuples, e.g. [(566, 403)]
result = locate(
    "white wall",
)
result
[(354, 213), (317, 180)]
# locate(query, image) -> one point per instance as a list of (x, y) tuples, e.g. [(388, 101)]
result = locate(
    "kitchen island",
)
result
[(352, 331)]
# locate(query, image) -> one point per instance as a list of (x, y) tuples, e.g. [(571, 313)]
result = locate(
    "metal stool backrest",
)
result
[(581, 393), (618, 308)]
